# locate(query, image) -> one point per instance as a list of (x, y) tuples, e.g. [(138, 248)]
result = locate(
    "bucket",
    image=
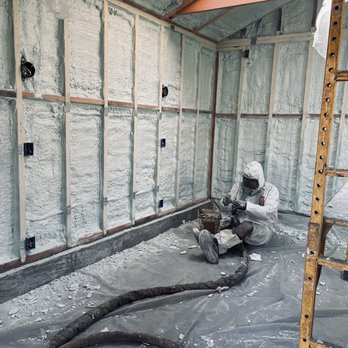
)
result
[(209, 219)]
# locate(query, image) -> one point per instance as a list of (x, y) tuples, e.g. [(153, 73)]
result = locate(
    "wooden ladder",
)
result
[(319, 225)]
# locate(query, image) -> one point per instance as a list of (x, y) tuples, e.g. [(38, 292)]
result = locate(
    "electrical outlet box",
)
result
[(28, 149), (160, 203), (163, 142), (30, 243)]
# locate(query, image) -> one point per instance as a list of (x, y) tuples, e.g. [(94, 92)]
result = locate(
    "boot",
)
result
[(209, 246)]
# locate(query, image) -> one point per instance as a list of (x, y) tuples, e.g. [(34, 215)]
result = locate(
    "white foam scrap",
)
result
[(13, 311), (181, 337), (96, 287), (192, 246), (60, 305), (223, 273), (255, 257), (89, 295), (183, 252), (105, 330), (322, 283), (210, 295)]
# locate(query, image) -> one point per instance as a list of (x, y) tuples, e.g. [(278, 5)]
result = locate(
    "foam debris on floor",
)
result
[(262, 311)]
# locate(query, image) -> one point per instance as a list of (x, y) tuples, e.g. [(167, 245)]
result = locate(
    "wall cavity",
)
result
[(145, 156), (228, 82), (42, 45), (119, 159), (43, 174), (148, 62), (6, 46), (121, 54), (172, 67), (191, 51), (256, 87), (85, 160), (187, 156), (168, 163), (86, 62), (225, 133)]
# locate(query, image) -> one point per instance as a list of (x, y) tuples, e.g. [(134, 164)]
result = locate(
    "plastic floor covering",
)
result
[(262, 311)]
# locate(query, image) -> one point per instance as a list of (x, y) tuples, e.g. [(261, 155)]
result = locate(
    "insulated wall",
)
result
[(268, 106), (109, 150)]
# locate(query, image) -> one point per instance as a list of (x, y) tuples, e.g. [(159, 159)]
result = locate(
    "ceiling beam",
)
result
[(209, 5), (181, 7)]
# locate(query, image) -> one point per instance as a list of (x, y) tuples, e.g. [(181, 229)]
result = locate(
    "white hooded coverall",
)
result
[(261, 209)]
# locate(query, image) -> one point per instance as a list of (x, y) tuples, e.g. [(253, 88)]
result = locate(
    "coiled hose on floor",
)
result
[(63, 338)]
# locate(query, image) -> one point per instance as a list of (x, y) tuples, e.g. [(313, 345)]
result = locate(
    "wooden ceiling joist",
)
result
[(210, 5), (173, 13)]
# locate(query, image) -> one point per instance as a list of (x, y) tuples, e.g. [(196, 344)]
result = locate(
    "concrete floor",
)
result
[(263, 311)]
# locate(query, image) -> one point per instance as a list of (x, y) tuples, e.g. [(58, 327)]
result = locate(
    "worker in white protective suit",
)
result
[(256, 202)]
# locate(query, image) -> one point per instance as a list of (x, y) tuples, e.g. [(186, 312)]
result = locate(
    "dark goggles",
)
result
[(252, 184)]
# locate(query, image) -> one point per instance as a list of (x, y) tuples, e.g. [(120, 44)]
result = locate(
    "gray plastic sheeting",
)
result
[(263, 311)]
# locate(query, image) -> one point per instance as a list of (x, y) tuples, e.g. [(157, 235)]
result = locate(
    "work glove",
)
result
[(227, 200), (238, 205)]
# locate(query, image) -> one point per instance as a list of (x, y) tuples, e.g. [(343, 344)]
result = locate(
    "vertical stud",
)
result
[(20, 166), (159, 118), (105, 121), (235, 142), (67, 136), (271, 108), (178, 140), (196, 125), (135, 115)]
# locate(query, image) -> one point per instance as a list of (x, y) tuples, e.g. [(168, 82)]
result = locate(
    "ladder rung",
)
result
[(342, 75), (337, 172), (332, 221), (333, 263)]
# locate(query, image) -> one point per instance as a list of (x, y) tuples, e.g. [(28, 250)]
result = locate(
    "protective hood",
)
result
[(253, 170)]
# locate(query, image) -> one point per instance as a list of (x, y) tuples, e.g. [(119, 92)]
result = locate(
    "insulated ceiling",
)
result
[(207, 18)]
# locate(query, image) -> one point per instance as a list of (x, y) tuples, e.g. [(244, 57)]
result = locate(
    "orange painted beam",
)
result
[(209, 5)]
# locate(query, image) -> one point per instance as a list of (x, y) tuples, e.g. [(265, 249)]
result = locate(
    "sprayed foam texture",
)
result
[(187, 155), (191, 50), (167, 170), (206, 73), (252, 141), (43, 174), (202, 156), (225, 133), (283, 159), (119, 166), (256, 89), (42, 45), (9, 240), (145, 160), (297, 16), (148, 88), (85, 170), (121, 54), (85, 42), (171, 67), (228, 82), (6, 46), (289, 90)]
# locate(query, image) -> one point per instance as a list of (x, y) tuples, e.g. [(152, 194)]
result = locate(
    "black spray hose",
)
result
[(62, 338)]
